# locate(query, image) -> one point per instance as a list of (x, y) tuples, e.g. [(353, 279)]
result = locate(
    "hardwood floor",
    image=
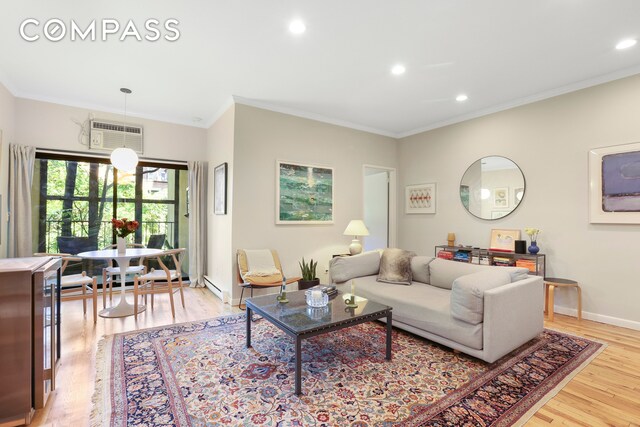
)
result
[(606, 392)]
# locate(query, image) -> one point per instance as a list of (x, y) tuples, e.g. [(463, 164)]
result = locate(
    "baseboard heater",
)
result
[(213, 288)]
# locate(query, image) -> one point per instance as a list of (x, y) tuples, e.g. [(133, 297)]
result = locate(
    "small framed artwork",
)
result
[(501, 197), (420, 199), (499, 214), (614, 184), (304, 194), (504, 240), (220, 189)]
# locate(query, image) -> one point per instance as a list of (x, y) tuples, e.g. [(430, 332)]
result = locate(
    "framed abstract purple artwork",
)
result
[(614, 181)]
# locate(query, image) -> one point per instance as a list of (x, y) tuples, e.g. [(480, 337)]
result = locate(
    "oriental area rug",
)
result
[(201, 374)]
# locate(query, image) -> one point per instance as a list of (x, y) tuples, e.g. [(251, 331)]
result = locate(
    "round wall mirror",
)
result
[(492, 187)]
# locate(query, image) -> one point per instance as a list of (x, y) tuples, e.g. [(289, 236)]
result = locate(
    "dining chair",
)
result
[(112, 270), (160, 280), (76, 286), (260, 268)]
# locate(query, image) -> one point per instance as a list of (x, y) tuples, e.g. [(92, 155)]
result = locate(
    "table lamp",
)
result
[(356, 228)]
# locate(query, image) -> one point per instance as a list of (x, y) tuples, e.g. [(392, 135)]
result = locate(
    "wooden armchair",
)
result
[(256, 270)]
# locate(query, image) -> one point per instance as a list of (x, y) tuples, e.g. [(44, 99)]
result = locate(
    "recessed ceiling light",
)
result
[(627, 43), (398, 69), (462, 97), (297, 26)]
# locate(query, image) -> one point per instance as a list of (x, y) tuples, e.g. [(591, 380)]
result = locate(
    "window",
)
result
[(74, 198)]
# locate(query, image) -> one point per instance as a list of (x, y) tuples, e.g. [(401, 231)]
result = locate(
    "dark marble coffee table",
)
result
[(300, 321)]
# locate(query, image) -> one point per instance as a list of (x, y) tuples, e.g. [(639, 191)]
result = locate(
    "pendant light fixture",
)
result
[(124, 158)]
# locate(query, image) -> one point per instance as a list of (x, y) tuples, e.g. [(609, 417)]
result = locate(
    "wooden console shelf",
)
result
[(535, 263)]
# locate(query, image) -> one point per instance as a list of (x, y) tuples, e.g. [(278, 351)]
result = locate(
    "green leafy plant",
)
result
[(308, 270)]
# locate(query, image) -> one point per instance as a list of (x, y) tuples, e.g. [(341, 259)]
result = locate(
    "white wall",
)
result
[(47, 125), (549, 140), (7, 126), (220, 267), (261, 138)]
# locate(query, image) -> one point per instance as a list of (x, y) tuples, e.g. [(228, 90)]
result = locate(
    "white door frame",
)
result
[(392, 200)]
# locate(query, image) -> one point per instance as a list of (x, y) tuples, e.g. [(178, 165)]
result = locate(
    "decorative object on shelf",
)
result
[(451, 239), (504, 240), (420, 199), (304, 194), (501, 198), (533, 235), (356, 228), (613, 196), (308, 271), (350, 302), (504, 174), (220, 189), (316, 298), (124, 158), (282, 296), (123, 227), (521, 246)]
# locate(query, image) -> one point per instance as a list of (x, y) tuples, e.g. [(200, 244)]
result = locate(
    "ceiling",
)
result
[(501, 53)]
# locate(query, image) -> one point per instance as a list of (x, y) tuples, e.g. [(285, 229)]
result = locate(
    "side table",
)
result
[(550, 283)]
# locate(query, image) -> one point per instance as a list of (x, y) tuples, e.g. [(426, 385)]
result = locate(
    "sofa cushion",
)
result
[(395, 266), (345, 268), (420, 268), (467, 293), (421, 306), (443, 272)]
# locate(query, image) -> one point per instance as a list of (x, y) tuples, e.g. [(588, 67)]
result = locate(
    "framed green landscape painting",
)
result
[(304, 194)]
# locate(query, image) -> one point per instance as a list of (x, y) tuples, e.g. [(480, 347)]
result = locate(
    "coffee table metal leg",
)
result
[(298, 366), (389, 329), (249, 314)]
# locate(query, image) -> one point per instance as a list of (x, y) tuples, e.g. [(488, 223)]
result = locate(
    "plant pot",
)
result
[(306, 284)]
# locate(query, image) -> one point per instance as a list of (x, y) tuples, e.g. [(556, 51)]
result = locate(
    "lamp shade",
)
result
[(125, 159), (356, 228)]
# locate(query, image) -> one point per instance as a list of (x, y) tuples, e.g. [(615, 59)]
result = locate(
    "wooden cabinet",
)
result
[(28, 335), (535, 263)]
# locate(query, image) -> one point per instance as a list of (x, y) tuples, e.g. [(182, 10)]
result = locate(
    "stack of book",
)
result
[(527, 263), (502, 261), (330, 290), (445, 255)]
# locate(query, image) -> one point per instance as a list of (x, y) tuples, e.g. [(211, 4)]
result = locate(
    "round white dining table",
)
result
[(123, 308)]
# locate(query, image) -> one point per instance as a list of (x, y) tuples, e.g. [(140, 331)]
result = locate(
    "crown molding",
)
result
[(227, 104), (312, 116), (573, 87), (102, 109)]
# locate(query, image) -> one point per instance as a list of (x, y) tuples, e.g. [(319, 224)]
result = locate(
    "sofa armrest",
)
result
[(513, 315)]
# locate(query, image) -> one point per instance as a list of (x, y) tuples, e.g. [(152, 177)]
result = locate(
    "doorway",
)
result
[(379, 207)]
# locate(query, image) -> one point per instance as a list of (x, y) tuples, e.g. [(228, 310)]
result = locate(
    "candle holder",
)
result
[(282, 296), (316, 298), (351, 301)]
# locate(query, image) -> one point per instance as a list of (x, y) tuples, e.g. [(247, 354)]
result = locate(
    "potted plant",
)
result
[(308, 271)]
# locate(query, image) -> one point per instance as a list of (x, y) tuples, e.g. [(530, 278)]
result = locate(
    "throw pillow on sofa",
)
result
[(395, 266), (346, 268), (467, 293)]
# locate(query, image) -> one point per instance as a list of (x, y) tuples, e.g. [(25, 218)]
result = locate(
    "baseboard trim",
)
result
[(609, 320)]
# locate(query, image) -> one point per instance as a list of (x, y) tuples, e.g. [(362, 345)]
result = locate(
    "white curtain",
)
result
[(197, 223), (21, 164)]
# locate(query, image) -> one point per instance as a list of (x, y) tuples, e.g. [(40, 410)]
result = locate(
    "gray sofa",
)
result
[(483, 311)]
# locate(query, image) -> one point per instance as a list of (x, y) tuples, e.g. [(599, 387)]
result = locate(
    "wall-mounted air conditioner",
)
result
[(108, 136)]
